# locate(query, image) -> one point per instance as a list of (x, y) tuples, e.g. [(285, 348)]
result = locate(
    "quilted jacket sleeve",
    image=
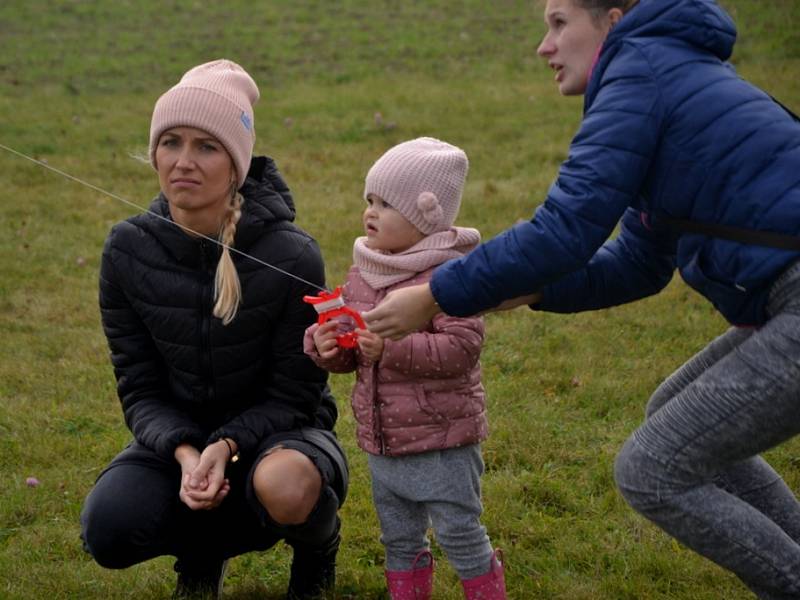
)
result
[(637, 264), (607, 163), (154, 422), (450, 350)]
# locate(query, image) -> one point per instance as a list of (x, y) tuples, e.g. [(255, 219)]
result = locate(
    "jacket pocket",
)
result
[(719, 293), (424, 404)]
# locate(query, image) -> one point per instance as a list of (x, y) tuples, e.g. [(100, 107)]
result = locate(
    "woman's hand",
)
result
[(515, 302), (187, 456), (325, 339), (203, 482), (370, 344), (402, 311)]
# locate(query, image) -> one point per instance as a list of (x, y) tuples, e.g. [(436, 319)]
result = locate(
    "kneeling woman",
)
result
[(233, 444)]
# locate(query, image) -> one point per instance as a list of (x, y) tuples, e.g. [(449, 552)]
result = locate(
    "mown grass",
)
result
[(341, 82)]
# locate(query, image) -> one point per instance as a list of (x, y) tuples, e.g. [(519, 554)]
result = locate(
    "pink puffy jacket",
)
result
[(426, 392)]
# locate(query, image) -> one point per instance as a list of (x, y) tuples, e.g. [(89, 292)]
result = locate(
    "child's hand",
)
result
[(325, 339), (370, 344)]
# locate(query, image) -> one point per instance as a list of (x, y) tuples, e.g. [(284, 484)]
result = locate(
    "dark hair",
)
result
[(600, 7)]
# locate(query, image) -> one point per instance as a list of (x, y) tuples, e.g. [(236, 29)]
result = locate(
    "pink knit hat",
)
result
[(217, 97), (423, 180)]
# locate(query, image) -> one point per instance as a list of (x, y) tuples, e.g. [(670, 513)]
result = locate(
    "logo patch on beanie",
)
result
[(248, 124)]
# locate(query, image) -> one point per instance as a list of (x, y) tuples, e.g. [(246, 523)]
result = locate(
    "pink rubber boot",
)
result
[(489, 586), (414, 584)]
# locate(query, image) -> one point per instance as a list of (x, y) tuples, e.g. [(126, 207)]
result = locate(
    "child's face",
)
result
[(387, 229)]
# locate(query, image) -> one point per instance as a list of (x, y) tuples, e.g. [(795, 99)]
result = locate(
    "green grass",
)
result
[(77, 84)]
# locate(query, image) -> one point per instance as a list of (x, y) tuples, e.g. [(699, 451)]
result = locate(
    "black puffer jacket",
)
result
[(182, 376)]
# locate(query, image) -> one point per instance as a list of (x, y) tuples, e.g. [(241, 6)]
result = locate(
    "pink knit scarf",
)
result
[(381, 269)]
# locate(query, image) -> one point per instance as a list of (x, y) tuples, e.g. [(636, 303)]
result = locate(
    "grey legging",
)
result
[(693, 466)]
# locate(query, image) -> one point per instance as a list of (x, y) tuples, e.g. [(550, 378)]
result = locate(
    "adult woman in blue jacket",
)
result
[(690, 160)]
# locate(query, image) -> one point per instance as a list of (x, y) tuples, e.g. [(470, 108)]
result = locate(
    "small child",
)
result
[(418, 402)]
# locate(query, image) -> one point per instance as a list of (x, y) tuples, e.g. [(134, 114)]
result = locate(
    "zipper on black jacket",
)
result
[(206, 299)]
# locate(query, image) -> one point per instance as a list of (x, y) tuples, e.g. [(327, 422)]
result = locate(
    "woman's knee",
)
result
[(105, 535), (288, 486), (659, 398), (124, 516), (637, 475)]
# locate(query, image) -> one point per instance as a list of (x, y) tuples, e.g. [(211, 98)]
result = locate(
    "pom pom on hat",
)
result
[(432, 212), (427, 201), (217, 97), (423, 180)]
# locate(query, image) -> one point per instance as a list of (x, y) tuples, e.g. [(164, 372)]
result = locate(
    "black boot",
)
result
[(313, 573), (198, 582)]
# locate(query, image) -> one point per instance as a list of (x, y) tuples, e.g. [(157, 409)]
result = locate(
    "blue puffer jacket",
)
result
[(668, 129)]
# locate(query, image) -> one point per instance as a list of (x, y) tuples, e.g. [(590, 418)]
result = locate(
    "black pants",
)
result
[(133, 513)]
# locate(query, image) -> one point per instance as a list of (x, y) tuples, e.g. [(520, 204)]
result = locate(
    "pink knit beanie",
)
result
[(217, 97), (423, 180)]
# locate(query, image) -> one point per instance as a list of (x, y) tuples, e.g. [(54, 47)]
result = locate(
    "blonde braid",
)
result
[(227, 288)]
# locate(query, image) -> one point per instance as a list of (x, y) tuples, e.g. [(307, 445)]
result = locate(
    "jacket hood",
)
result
[(265, 189), (700, 23)]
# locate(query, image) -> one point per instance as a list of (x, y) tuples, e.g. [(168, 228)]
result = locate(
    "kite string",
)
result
[(141, 208)]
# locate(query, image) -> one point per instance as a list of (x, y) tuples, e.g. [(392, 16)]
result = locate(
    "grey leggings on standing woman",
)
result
[(693, 466)]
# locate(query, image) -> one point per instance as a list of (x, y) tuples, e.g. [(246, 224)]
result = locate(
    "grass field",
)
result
[(341, 81)]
